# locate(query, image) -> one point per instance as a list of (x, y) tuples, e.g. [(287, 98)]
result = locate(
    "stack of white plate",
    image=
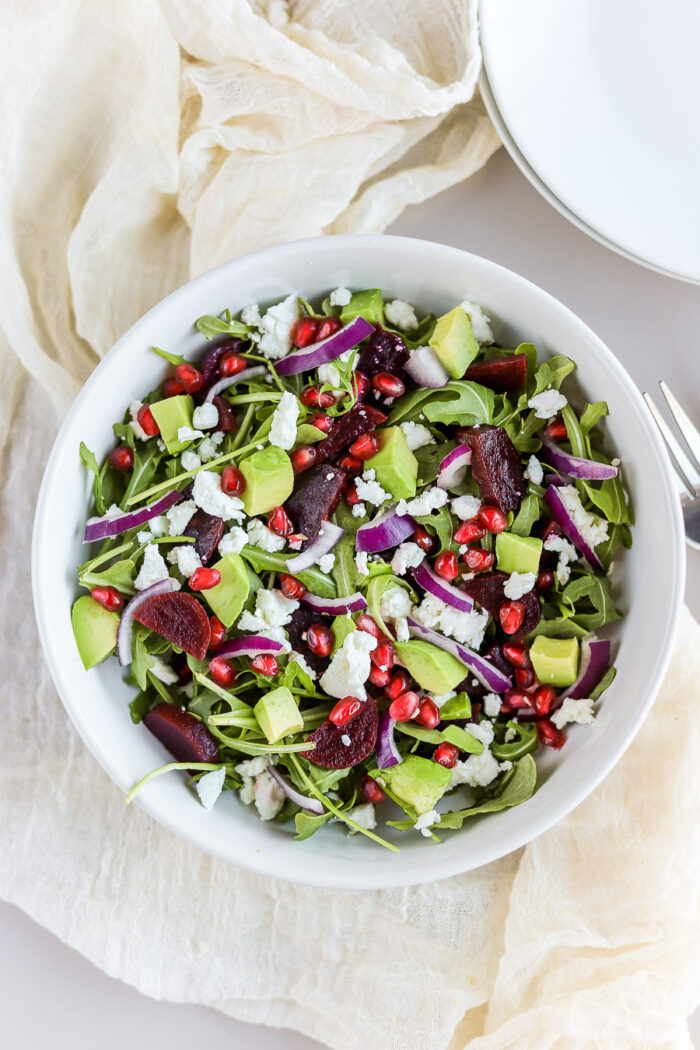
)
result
[(598, 103)]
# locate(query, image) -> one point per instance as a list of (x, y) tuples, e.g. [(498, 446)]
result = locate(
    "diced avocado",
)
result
[(395, 465), (454, 342), (463, 739), (170, 415), (368, 304), (277, 714), (518, 553), (418, 782), (459, 706), (433, 668), (341, 627), (229, 596), (555, 660), (95, 631), (269, 479)]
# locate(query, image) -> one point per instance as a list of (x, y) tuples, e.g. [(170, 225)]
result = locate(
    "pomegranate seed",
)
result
[(360, 385), (319, 639), (549, 735), (493, 519), (478, 560), (545, 580), (556, 430), (189, 378), (399, 683), (218, 632), (364, 447), (296, 539), (515, 698), (383, 656), (302, 458), (345, 710), (280, 523), (350, 464), (171, 388), (446, 565), (204, 579), (108, 598), (422, 537), (379, 677), (371, 790), (552, 528), (366, 623), (327, 327), (446, 754), (122, 457), (525, 677), (144, 418), (221, 672), (321, 421), (183, 671), (312, 397), (230, 364), (543, 698), (305, 331), (265, 664), (351, 496), (470, 531), (511, 616), (517, 655), (388, 385), (428, 714), (291, 587), (232, 481), (404, 707)]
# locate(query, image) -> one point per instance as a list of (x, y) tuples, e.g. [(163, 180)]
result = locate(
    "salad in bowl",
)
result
[(353, 561)]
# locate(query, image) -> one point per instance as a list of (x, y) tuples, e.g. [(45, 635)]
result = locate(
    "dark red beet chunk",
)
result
[(487, 589), (495, 656), (209, 362), (315, 497), (227, 417), (330, 751), (358, 420), (180, 618), (505, 375), (207, 531), (496, 467), (186, 739), (383, 352), (301, 620)]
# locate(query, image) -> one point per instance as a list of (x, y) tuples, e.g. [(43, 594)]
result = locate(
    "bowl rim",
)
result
[(427, 868)]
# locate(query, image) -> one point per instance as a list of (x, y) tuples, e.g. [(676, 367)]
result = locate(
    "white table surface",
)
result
[(49, 994)]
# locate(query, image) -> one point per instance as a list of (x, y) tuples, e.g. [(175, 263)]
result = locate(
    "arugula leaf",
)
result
[(592, 414), (307, 824), (211, 326), (294, 676), (141, 659), (409, 406), (596, 591), (610, 499), (452, 734), (276, 561), (429, 459), (466, 403), (515, 789), (618, 535), (561, 627), (530, 511), (174, 359), (605, 682), (90, 460), (559, 368), (146, 461), (344, 571), (140, 707), (524, 743), (441, 523), (119, 575), (307, 434)]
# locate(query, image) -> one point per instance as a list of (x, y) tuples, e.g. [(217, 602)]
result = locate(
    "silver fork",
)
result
[(687, 467)]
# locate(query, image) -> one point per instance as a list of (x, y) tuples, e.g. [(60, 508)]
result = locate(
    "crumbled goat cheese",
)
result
[(345, 740), (363, 815), (190, 460), (272, 609), (209, 787), (441, 698), (206, 450), (426, 821), (571, 711), (162, 672), (233, 542), (340, 296), (263, 538), (186, 559), (188, 434), (479, 320), (567, 553), (326, 562), (144, 537), (534, 471), (206, 416), (134, 424), (153, 568), (593, 528), (349, 667), (401, 628), (465, 627), (395, 602), (283, 432), (548, 403), (252, 766), (401, 314), (477, 770), (361, 563), (299, 658), (492, 705), (157, 526), (615, 462), (518, 584), (359, 510), (416, 435), (429, 500), (466, 507), (250, 315), (276, 327), (482, 731), (369, 489), (406, 556), (179, 517), (209, 497), (511, 735), (328, 373), (269, 796)]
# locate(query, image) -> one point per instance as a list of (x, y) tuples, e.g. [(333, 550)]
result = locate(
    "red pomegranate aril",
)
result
[(511, 616), (428, 714), (388, 385), (291, 587), (383, 656), (366, 623), (204, 579), (231, 364), (549, 735), (479, 560), (319, 639), (556, 430), (312, 397), (302, 458), (327, 327), (543, 698), (122, 457), (545, 580), (144, 418), (525, 678), (470, 531), (350, 464), (404, 707), (446, 754), (222, 672), (322, 421), (108, 598), (399, 683), (280, 523), (446, 565), (189, 378), (515, 698), (345, 710), (425, 541), (265, 664), (361, 384), (551, 528), (352, 497), (364, 447), (493, 519), (296, 539), (218, 632), (371, 790), (379, 677), (517, 655), (171, 388), (305, 331), (232, 481)]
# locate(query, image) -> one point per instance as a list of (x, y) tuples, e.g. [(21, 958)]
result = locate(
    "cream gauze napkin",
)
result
[(144, 143)]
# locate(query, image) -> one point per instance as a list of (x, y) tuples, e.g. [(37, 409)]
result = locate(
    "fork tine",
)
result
[(688, 430), (684, 468)]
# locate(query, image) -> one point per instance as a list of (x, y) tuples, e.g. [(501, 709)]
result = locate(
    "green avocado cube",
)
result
[(417, 782), (231, 592), (555, 660), (95, 630), (454, 342), (395, 465), (170, 415), (433, 668), (368, 304), (459, 706), (269, 480), (277, 714), (518, 553)]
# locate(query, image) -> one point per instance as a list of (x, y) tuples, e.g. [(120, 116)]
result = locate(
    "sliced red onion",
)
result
[(453, 468), (326, 540), (426, 368), (224, 384), (249, 645), (569, 527), (314, 805), (326, 349), (595, 660), (102, 528), (387, 752), (126, 621), (557, 480), (485, 671), (335, 606), (574, 466), (428, 579), (385, 531)]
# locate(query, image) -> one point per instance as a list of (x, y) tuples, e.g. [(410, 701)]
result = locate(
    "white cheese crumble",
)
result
[(482, 731), (138, 430), (395, 602), (567, 553), (252, 766), (441, 698), (492, 705), (359, 510), (593, 528), (299, 658), (276, 328), (401, 628), (406, 556), (534, 471), (479, 320), (326, 562), (361, 563), (477, 770), (571, 711), (429, 500), (269, 796), (345, 740), (263, 538), (349, 667), (157, 526), (465, 627), (206, 416), (188, 434), (162, 672), (426, 821), (401, 314), (466, 507), (250, 315), (328, 373), (153, 568), (206, 450), (369, 489), (209, 787), (363, 815), (179, 517), (417, 435), (186, 559), (518, 584), (272, 609), (233, 542), (340, 296), (547, 404), (209, 497), (190, 460), (283, 432), (511, 734)]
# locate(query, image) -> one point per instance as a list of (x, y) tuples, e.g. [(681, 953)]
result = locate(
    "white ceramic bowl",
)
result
[(648, 580)]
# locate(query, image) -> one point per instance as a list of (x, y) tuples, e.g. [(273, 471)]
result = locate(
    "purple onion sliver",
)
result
[(104, 527), (326, 540), (335, 606), (482, 668), (453, 468), (428, 579), (387, 752), (384, 532), (126, 621), (314, 805), (574, 466), (426, 368), (249, 645), (224, 384), (595, 660), (326, 350), (564, 519)]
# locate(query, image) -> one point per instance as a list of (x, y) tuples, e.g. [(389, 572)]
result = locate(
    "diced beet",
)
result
[(180, 618), (383, 352), (358, 420), (187, 739), (505, 375), (301, 620), (316, 494), (495, 656), (486, 588), (227, 417), (207, 531), (209, 362), (330, 751), (496, 467)]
